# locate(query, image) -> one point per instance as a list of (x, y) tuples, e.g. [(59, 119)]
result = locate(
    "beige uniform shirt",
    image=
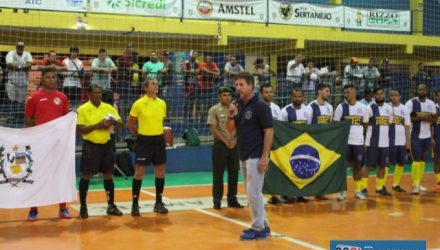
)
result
[(218, 117)]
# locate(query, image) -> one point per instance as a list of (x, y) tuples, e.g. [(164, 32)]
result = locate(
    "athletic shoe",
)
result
[(321, 197), (266, 229), (437, 187), (113, 210), (416, 189), (302, 199), (288, 199), (64, 213), (360, 196), (423, 189), (159, 207), (83, 213), (383, 192), (33, 215), (274, 200), (135, 211), (341, 196), (398, 189), (235, 204), (217, 206), (253, 234), (365, 192)]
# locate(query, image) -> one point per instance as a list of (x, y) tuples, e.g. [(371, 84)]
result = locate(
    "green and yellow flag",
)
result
[(307, 159)]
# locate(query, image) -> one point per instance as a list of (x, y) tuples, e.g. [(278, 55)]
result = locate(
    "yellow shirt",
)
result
[(150, 114), (88, 115), (135, 78)]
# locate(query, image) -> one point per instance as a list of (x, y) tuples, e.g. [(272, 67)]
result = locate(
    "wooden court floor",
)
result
[(295, 226)]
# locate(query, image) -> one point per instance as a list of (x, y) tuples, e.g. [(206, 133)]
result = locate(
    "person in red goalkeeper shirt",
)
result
[(45, 105)]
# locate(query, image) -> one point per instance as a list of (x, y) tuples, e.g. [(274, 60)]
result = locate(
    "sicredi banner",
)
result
[(377, 19), (241, 10), (59, 5), (306, 14), (162, 8)]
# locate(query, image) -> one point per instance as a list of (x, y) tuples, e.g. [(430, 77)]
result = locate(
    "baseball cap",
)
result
[(223, 89), (354, 59)]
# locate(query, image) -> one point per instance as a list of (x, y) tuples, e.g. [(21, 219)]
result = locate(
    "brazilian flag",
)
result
[(307, 160)]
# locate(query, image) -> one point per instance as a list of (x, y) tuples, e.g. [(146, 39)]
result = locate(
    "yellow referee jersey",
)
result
[(88, 115), (150, 114)]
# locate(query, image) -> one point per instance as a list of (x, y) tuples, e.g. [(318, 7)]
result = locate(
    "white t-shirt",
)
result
[(229, 79), (72, 80), (357, 114), (326, 112), (350, 75), (386, 117), (310, 81), (275, 109), (401, 119), (302, 116), (427, 106), (19, 78), (296, 73)]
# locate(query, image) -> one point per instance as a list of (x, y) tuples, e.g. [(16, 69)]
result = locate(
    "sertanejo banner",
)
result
[(37, 164)]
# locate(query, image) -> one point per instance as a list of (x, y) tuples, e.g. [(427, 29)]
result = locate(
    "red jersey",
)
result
[(45, 107), (205, 79), (58, 63)]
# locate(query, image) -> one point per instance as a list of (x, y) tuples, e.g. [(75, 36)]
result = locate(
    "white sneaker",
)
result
[(360, 196), (416, 189), (341, 196), (423, 189)]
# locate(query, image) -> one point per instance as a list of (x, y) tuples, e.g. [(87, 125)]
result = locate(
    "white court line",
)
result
[(237, 222)]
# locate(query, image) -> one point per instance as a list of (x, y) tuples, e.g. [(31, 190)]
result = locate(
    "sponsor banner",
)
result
[(37, 164), (238, 10), (162, 8), (306, 14), (59, 5), (377, 19), (377, 244)]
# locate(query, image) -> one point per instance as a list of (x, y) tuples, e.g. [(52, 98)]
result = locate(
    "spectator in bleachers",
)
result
[(19, 63), (261, 73), (72, 81), (52, 62), (190, 70), (421, 77), (123, 78), (209, 72), (135, 78), (152, 68), (166, 73), (353, 73), (328, 75), (386, 75), (311, 78), (102, 67), (295, 72), (232, 68), (371, 76)]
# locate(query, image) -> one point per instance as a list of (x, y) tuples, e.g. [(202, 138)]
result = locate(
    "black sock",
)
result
[(83, 188), (136, 189), (160, 184), (109, 187)]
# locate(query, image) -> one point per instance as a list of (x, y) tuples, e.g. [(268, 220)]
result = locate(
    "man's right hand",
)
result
[(232, 110)]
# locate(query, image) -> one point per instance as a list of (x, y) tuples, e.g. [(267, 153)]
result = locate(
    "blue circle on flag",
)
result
[(305, 162)]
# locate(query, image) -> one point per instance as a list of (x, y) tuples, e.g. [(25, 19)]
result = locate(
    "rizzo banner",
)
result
[(162, 8), (377, 19), (306, 14), (37, 164), (59, 5), (237, 10)]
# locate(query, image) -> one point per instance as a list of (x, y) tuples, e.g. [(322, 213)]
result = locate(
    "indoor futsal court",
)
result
[(321, 118), (193, 224)]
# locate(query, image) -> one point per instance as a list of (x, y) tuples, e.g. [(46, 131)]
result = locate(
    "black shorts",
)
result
[(436, 151), (97, 158), (150, 149), (398, 155), (376, 156), (355, 153)]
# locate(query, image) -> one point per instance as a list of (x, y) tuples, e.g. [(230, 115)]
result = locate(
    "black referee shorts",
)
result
[(97, 158), (150, 149)]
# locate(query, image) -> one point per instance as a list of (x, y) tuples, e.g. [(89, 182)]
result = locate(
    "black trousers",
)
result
[(224, 159)]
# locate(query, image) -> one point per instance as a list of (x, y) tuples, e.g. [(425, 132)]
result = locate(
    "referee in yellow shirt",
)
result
[(95, 120), (150, 112)]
